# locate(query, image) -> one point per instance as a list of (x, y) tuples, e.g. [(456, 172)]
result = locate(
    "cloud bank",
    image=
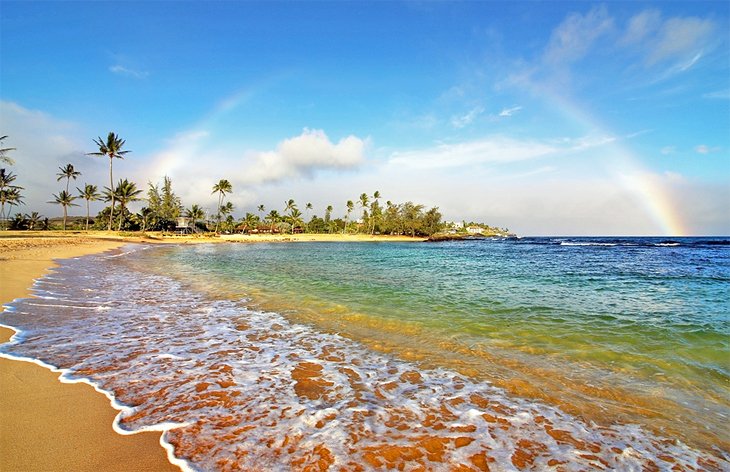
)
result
[(303, 155)]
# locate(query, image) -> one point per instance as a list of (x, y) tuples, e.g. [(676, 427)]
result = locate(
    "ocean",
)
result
[(520, 354)]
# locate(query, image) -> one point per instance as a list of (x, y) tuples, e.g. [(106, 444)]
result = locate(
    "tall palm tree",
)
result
[(273, 218), (308, 207), (125, 193), (364, 202), (262, 210), (289, 205), (226, 211), (221, 188), (89, 193), (350, 206), (9, 193), (195, 213), (33, 219), (295, 217), (3, 153), (67, 173), (376, 198), (66, 200), (327, 217), (110, 148)]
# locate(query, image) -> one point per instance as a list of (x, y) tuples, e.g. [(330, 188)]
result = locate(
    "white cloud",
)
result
[(466, 119), (641, 26), (43, 143), (127, 72), (304, 154), (491, 150), (705, 149), (509, 111), (680, 37), (718, 94), (573, 38)]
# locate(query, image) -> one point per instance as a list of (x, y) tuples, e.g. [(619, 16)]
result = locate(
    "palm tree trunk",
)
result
[(111, 189), (64, 217), (87, 215), (121, 215), (220, 203)]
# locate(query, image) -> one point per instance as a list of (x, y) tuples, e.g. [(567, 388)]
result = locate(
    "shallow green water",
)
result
[(615, 330)]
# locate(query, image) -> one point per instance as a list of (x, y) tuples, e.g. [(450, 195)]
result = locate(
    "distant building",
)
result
[(474, 229)]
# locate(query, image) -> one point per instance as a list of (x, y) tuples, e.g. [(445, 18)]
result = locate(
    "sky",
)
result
[(547, 118)]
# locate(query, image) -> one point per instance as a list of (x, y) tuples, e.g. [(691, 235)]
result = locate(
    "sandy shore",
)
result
[(44, 424)]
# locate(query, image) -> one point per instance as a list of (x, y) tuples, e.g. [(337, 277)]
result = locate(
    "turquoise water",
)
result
[(622, 344), (626, 315)]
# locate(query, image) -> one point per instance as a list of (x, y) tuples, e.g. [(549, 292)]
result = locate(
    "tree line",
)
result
[(366, 214)]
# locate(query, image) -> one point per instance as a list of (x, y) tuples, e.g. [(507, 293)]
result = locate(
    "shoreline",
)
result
[(47, 423), (43, 415)]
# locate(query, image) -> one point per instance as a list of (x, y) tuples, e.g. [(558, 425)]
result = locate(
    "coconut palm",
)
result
[(364, 202), (226, 211), (3, 153), (289, 205), (273, 217), (350, 206), (295, 217), (221, 188), (33, 219), (9, 193), (110, 148), (68, 172), (125, 193), (308, 207), (66, 200), (328, 217), (195, 213), (375, 204), (89, 193)]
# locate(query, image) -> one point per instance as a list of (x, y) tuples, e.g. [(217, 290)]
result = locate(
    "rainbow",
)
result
[(645, 187)]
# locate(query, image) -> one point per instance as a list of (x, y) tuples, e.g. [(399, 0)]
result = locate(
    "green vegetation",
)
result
[(164, 208)]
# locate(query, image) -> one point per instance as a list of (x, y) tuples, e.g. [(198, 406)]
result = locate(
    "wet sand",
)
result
[(51, 426), (44, 424)]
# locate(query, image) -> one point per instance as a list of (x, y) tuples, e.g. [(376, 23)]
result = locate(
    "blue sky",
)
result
[(544, 117)]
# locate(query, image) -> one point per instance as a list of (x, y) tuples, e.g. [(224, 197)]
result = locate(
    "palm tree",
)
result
[(33, 219), (308, 207), (262, 210), (89, 193), (273, 218), (126, 192), (111, 148), (226, 210), (3, 152), (327, 217), (64, 199), (9, 193), (221, 188), (350, 206), (376, 197), (195, 213), (363, 202), (295, 216), (67, 173), (289, 205)]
